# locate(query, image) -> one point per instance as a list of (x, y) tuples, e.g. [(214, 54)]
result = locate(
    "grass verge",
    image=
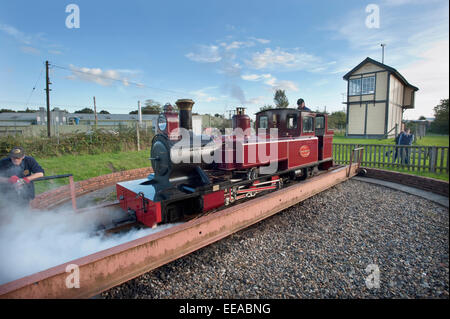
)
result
[(87, 166)]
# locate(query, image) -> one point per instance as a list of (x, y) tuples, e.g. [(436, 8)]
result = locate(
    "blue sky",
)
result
[(222, 54)]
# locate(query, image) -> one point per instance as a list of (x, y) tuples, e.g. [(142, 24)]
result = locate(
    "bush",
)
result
[(93, 142)]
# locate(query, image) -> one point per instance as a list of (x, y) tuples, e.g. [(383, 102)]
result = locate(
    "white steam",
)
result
[(33, 241)]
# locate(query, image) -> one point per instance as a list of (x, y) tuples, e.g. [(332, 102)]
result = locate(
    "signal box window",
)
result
[(308, 124), (263, 122)]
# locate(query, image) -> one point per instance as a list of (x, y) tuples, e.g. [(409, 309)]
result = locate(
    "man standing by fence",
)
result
[(17, 172), (405, 139), (397, 139)]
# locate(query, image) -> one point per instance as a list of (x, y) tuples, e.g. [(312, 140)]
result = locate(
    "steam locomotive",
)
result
[(196, 174)]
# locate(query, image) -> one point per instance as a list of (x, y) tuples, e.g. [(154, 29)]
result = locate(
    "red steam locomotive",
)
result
[(197, 174)]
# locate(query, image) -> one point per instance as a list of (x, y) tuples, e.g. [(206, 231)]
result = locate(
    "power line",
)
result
[(64, 105), (136, 84), (139, 85), (34, 87)]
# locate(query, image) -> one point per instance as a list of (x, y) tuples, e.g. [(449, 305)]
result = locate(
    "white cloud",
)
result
[(256, 77), (101, 77), (237, 44), (394, 3), (230, 67), (205, 54), (30, 43), (271, 81), (431, 75), (202, 95), (30, 50), (259, 100), (262, 41), (19, 35), (281, 85), (276, 59)]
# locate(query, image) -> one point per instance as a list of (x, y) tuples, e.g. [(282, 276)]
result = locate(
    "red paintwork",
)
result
[(132, 201), (295, 147), (288, 152), (172, 125), (242, 121), (213, 200)]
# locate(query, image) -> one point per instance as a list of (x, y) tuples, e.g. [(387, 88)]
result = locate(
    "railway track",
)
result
[(105, 269)]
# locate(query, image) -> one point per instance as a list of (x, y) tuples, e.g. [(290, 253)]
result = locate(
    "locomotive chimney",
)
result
[(185, 112), (241, 120)]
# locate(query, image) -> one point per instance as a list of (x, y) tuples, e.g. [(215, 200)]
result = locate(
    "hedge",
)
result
[(93, 142)]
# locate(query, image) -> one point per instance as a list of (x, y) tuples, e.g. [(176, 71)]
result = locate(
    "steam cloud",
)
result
[(33, 241)]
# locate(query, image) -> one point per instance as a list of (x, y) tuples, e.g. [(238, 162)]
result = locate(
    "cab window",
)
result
[(263, 122), (308, 124), (320, 122), (291, 121)]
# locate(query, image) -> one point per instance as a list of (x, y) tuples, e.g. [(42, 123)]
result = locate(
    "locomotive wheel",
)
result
[(252, 173), (306, 173)]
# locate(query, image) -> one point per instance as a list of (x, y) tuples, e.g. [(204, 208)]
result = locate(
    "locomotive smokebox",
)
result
[(185, 112)]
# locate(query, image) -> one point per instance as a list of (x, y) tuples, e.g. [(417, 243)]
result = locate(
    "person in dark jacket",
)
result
[(17, 172), (405, 139), (301, 105), (397, 150)]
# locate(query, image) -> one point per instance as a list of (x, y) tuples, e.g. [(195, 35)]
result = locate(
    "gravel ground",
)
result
[(319, 248)]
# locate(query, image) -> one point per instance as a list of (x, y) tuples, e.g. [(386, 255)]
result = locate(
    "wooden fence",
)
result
[(433, 159)]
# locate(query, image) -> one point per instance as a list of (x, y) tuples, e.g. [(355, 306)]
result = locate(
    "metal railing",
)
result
[(433, 159)]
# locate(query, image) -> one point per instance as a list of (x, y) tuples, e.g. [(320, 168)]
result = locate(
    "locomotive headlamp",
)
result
[(162, 122)]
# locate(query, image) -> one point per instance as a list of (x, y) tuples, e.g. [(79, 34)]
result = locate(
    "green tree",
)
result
[(7, 111), (266, 107), (104, 112), (422, 118), (150, 107), (28, 110), (440, 123), (86, 110), (337, 120), (280, 99)]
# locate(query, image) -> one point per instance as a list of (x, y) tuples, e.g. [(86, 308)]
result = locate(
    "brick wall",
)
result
[(425, 183), (61, 194)]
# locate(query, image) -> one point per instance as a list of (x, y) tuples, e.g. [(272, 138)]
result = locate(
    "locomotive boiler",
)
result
[(195, 174)]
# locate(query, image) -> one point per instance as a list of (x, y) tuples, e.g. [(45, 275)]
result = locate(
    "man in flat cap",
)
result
[(301, 105), (17, 172)]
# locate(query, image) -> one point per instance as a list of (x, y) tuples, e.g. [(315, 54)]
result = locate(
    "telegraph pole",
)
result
[(47, 89), (382, 55), (95, 113), (139, 113)]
